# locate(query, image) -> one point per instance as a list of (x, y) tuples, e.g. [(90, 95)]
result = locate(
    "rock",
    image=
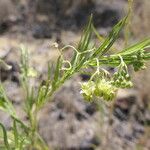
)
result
[(105, 19), (147, 118), (4, 53), (7, 12), (84, 77), (3, 27), (73, 15), (80, 116), (126, 104), (42, 31), (61, 115), (121, 114), (5, 119), (90, 109), (141, 11), (11, 74)]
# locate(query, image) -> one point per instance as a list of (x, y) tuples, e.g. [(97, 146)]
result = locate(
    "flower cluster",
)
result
[(121, 79), (101, 88), (88, 89), (140, 62), (102, 85), (105, 89)]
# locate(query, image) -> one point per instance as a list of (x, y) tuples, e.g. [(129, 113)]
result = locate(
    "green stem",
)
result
[(36, 140), (33, 127)]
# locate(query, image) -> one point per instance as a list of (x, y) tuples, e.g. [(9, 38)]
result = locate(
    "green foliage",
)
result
[(106, 45), (5, 137), (101, 84), (5, 104)]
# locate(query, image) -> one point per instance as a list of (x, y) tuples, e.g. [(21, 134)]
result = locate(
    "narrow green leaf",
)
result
[(74, 59), (5, 104), (5, 137), (110, 39), (147, 56), (24, 61), (16, 136), (85, 39), (136, 47), (23, 126), (57, 71), (83, 45), (101, 38), (50, 70), (20, 134), (41, 96)]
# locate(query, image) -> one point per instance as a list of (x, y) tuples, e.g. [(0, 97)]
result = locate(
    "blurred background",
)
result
[(68, 122)]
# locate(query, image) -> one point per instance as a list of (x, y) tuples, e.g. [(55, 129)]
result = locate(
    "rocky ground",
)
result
[(69, 122)]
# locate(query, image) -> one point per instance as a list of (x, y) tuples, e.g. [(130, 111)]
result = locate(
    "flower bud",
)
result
[(127, 77)]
